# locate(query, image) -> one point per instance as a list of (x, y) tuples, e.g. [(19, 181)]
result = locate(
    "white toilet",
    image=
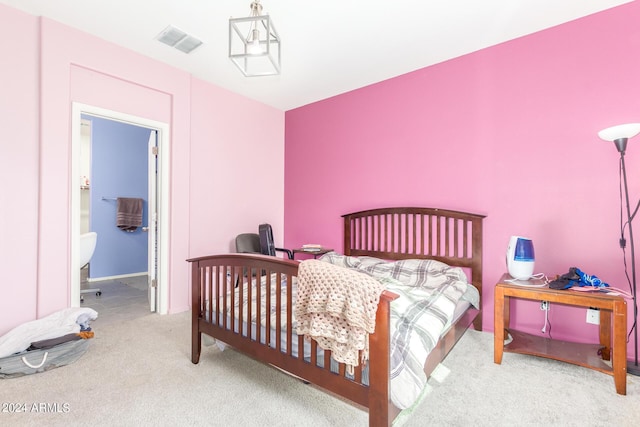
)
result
[(87, 248)]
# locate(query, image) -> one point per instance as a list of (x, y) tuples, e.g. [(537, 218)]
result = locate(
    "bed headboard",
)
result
[(452, 237)]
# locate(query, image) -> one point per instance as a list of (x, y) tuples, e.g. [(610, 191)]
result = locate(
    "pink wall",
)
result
[(51, 67), (77, 67), (19, 118), (237, 175), (509, 131)]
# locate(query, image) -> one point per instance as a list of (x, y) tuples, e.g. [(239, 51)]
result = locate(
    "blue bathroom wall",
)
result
[(119, 168)]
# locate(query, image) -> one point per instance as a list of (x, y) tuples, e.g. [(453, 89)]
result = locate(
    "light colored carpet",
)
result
[(138, 373)]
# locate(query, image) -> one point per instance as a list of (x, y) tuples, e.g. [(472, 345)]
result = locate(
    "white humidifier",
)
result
[(520, 258)]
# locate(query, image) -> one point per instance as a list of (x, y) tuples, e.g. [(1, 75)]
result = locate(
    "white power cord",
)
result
[(538, 280), (546, 321)]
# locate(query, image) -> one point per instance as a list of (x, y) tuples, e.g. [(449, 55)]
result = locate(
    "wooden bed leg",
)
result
[(196, 346), (477, 322), (196, 335), (196, 343)]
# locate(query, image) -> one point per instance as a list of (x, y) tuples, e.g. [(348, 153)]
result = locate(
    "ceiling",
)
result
[(328, 47)]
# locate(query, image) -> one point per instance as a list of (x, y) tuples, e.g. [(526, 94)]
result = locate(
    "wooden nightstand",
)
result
[(613, 330)]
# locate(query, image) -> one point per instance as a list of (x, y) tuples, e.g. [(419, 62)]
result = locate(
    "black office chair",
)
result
[(267, 245), (248, 243)]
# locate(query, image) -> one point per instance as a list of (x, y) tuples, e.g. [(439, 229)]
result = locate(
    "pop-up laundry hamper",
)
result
[(40, 345), (40, 360)]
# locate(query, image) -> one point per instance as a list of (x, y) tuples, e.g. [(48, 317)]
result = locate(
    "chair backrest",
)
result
[(267, 246), (248, 243)]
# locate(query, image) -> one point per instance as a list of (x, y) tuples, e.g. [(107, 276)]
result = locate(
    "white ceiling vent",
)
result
[(177, 38)]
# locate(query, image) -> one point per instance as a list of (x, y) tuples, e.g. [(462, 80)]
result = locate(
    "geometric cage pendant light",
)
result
[(254, 44)]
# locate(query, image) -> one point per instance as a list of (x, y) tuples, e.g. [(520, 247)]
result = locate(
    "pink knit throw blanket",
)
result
[(337, 307)]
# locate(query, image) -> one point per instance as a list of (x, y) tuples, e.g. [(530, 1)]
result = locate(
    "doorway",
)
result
[(156, 228)]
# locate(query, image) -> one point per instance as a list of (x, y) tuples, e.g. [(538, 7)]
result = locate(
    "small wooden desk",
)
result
[(315, 253), (613, 318)]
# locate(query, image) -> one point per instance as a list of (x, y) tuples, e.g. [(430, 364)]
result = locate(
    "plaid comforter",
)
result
[(428, 293)]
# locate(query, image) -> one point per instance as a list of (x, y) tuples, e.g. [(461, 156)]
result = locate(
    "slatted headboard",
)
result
[(452, 237)]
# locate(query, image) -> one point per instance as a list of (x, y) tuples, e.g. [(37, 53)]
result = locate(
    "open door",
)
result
[(152, 222), (158, 215)]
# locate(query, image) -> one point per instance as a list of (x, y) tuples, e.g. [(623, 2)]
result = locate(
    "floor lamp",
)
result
[(619, 135)]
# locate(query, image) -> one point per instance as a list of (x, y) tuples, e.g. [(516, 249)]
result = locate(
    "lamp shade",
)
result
[(628, 130)]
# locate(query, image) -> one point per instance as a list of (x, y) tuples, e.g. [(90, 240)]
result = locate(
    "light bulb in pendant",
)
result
[(253, 43)]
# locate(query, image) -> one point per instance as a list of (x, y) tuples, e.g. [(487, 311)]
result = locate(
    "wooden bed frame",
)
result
[(454, 238)]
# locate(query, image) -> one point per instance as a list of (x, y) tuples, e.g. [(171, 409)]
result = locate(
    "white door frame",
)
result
[(152, 221), (163, 197)]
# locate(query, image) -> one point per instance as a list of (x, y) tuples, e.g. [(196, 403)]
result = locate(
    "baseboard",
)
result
[(120, 276)]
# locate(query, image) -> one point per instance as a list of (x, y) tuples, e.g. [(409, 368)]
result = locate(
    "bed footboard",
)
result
[(230, 293)]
